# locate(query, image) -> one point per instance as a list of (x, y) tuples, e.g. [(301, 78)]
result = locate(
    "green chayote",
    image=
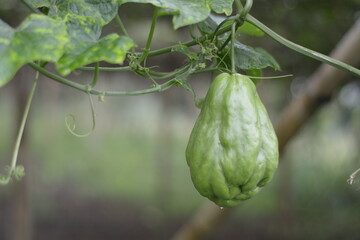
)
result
[(233, 150)]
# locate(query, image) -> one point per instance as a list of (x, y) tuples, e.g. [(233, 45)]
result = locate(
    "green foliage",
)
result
[(210, 24), (84, 20), (186, 51), (99, 11), (188, 12), (112, 49), (232, 151), (70, 38), (77, 41), (248, 58), (37, 38)]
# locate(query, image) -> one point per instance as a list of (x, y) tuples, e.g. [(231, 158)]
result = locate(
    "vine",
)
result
[(71, 41)]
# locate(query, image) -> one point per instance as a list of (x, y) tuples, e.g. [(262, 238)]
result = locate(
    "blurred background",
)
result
[(129, 179)]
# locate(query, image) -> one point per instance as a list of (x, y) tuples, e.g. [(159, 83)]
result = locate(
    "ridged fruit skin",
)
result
[(233, 150)]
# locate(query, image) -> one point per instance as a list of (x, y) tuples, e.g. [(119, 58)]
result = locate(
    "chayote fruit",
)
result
[(233, 150)]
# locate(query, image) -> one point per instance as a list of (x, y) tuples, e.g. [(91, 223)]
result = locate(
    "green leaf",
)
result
[(188, 12), (186, 51), (84, 20), (101, 11), (268, 59), (185, 85), (210, 24), (247, 58), (37, 38), (221, 6), (81, 30), (111, 48)]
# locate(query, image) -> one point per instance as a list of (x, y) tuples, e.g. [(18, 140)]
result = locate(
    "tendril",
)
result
[(221, 24), (151, 77), (71, 126), (222, 60), (14, 170), (226, 42), (272, 77)]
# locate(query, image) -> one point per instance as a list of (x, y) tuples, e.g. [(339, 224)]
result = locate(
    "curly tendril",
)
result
[(70, 121)]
